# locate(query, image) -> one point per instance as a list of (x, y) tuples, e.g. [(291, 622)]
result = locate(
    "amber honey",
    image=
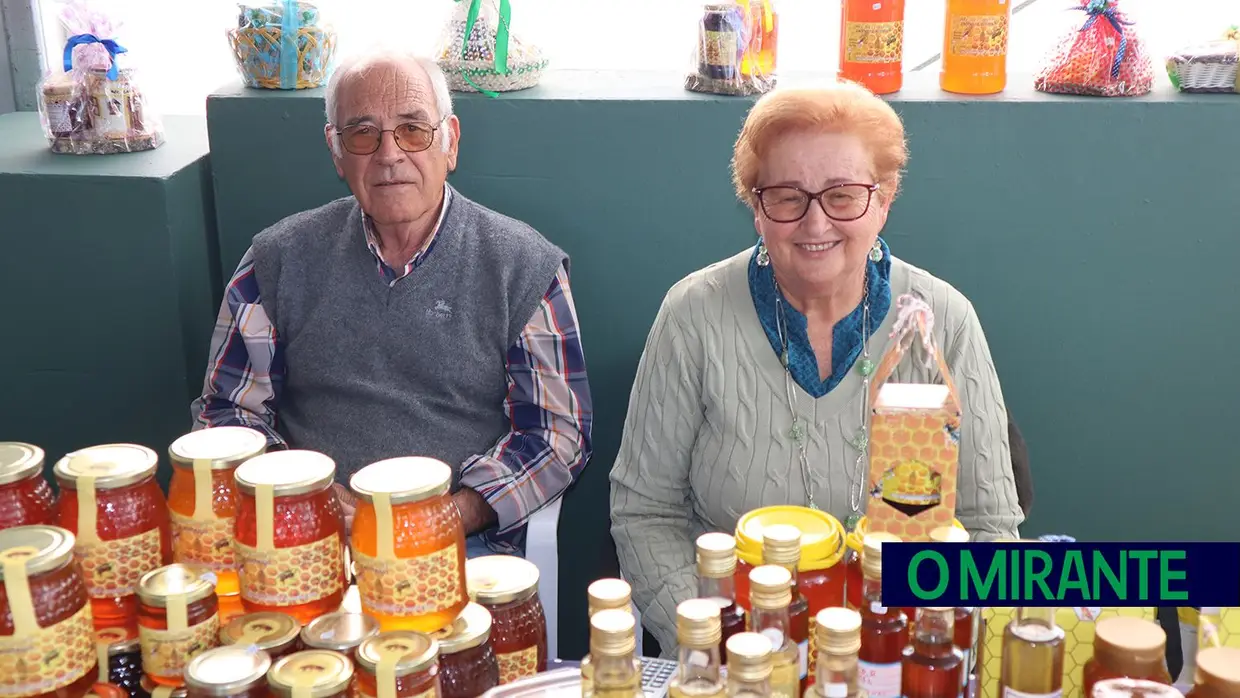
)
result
[(232, 672), (202, 500), (467, 663), (178, 619), (154, 690), (408, 544), (884, 630), (507, 587), (932, 662), (111, 502), (25, 497), (403, 661), (311, 674), (289, 536), (339, 632), (44, 614), (716, 568), (1126, 647), (275, 633)]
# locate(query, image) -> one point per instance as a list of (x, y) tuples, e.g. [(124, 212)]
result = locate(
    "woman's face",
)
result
[(816, 252)]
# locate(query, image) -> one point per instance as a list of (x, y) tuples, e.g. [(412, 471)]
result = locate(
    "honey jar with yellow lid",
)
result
[(467, 663), (311, 674), (178, 618), (507, 587), (275, 633), (403, 662)]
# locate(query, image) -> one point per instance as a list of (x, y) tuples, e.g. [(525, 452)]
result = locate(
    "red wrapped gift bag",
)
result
[(1104, 57)]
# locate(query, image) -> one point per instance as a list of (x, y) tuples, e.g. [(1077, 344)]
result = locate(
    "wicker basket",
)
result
[(521, 76), (1210, 67), (257, 46), (469, 63)]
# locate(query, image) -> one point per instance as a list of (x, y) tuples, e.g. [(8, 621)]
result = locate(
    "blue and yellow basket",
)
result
[(282, 46)]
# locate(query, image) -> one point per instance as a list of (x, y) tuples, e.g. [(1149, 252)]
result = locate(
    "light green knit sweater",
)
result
[(705, 439)]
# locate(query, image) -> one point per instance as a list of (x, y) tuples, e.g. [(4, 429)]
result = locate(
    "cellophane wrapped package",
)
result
[(283, 45), (735, 49), (96, 104), (1210, 66), (1102, 56), (479, 52)]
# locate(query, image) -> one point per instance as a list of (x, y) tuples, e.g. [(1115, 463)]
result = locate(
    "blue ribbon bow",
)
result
[(113, 48), (1106, 10)]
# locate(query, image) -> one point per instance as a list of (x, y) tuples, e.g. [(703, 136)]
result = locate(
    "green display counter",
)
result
[(109, 275), (1097, 238)]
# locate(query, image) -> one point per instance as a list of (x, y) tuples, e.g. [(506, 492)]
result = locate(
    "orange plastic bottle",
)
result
[(975, 46), (872, 44)]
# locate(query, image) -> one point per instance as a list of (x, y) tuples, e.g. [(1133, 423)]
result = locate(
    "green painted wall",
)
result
[(1097, 238)]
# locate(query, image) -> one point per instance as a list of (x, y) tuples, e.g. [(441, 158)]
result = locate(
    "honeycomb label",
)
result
[(112, 568), (913, 471), (411, 586), (50, 659), (291, 576), (205, 543), (168, 652), (979, 35), (517, 665)]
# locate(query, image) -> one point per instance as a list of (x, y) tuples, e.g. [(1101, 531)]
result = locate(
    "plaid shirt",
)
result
[(548, 403)]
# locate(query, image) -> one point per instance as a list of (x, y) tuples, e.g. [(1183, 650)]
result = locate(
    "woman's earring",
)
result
[(876, 252), (764, 259)]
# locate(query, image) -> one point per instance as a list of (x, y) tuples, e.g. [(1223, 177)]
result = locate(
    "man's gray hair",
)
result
[(358, 64)]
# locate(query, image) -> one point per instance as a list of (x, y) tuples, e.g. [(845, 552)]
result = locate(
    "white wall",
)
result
[(6, 71)]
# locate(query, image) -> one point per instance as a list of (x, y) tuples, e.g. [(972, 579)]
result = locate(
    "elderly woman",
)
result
[(710, 428)]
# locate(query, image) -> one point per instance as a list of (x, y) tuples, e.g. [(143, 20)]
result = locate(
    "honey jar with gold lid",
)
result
[(507, 587), (311, 674), (232, 672), (289, 537), (271, 632), (44, 613), (467, 663), (178, 619), (340, 632), (1218, 673), (110, 501), (408, 544), (1127, 647), (405, 663), (202, 499), (26, 499)]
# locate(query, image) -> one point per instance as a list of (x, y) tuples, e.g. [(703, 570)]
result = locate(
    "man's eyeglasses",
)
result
[(411, 137), (842, 202)]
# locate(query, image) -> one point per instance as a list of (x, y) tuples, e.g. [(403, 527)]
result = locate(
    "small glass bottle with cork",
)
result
[(699, 672), (749, 666), (838, 633), (615, 669), (716, 565)]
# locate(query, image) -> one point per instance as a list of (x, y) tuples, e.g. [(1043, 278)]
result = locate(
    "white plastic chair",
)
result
[(543, 549)]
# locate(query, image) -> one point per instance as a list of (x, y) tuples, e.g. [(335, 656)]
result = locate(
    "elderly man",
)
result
[(407, 319)]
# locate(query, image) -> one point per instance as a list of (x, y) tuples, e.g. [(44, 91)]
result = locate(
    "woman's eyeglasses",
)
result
[(841, 202), (411, 137)]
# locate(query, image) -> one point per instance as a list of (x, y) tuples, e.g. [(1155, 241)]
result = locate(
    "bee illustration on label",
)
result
[(286, 576), (53, 659)]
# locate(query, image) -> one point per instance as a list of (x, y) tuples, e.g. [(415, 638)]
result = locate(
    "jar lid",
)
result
[(1140, 639), (270, 631), (289, 473), (949, 534), (872, 553), (149, 686), (770, 587), (408, 479), (43, 548), (781, 545), (119, 640), (112, 466), (603, 594), (499, 579), (19, 461), (612, 633), (1219, 666), (227, 671), (338, 631), (414, 651), (857, 535), (223, 447), (749, 656), (324, 672), (468, 630), (716, 555), (822, 536), (698, 624), (1134, 688), (838, 630), (196, 583)]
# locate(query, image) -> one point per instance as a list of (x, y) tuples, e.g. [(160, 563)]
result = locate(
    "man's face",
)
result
[(392, 99)]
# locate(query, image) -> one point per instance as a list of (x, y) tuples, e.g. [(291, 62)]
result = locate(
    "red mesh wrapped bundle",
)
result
[(1104, 57)]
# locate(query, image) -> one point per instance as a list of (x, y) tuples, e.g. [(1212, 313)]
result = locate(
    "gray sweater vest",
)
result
[(417, 368)]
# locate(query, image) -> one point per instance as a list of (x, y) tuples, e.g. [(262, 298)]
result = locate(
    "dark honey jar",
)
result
[(507, 586), (25, 497), (272, 632), (233, 671), (467, 664), (122, 651)]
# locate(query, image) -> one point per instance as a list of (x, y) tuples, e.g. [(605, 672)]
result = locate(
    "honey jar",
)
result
[(120, 658), (110, 501), (1126, 647), (274, 633), (408, 544), (178, 619), (507, 587), (25, 497), (44, 616), (339, 632), (819, 577), (311, 674), (1218, 673), (467, 664), (403, 662), (202, 502), (289, 536), (154, 690), (1132, 688), (232, 672)]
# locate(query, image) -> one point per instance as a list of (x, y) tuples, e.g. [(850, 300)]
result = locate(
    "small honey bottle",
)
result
[(1033, 652), (700, 670), (1218, 673), (716, 566), (615, 670), (968, 618), (749, 666), (884, 631), (932, 663), (601, 595), (838, 636), (770, 593), (781, 545)]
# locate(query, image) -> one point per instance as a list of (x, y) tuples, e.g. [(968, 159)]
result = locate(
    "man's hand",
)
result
[(476, 514)]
